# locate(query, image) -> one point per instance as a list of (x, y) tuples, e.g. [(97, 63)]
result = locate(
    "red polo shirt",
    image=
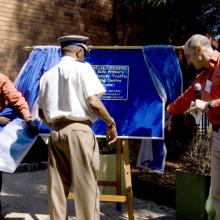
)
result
[(8, 93), (210, 91)]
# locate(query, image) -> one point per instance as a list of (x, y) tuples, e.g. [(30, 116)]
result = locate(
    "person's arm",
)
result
[(182, 103), (42, 117), (100, 111), (207, 105), (15, 98), (93, 89)]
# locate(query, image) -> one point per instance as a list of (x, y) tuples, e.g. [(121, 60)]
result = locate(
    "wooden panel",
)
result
[(107, 198)]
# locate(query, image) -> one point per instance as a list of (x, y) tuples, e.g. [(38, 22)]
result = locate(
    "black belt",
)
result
[(216, 128)]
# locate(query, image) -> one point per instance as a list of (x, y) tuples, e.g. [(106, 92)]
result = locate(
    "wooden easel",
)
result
[(128, 197)]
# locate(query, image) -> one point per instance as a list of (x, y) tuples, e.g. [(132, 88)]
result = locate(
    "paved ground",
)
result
[(24, 197)]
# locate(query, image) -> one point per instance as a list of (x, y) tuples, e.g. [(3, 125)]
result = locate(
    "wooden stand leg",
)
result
[(118, 172), (128, 184)]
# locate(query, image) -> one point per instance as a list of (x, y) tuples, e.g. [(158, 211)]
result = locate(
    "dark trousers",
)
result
[(0, 190)]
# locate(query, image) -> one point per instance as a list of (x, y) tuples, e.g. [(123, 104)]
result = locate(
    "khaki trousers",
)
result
[(215, 172), (73, 164)]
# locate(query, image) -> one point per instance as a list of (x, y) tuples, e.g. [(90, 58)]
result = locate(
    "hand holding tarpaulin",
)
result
[(199, 104), (4, 120), (31, 129)]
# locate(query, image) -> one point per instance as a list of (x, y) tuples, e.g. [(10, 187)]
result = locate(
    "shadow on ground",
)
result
[(24, 197)]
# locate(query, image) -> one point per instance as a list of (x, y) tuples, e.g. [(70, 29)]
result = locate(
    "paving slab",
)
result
[(24, 197)]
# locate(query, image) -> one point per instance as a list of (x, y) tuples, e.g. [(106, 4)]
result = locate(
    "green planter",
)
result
[(191, 194)]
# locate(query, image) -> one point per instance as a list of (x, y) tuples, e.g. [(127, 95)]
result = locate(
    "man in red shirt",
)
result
[(10, 95), (199, 53)]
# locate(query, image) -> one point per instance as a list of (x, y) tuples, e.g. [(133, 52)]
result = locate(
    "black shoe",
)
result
[(2, 216)]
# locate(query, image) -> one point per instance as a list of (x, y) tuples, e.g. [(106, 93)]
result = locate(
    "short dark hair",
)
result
[(69, 49)]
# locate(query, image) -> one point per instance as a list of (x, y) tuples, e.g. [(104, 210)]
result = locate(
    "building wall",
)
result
[(41, 22)]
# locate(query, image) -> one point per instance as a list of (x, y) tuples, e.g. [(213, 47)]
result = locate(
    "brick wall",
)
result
[(41, 22)]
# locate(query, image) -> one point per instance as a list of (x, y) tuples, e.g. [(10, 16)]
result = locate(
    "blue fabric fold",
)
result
[(152, 155), (163, 65), (40, 60)]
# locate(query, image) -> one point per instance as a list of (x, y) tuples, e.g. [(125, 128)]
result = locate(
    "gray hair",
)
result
[(196, 40)]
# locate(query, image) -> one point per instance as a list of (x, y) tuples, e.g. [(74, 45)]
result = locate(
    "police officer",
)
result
[(69, 102)]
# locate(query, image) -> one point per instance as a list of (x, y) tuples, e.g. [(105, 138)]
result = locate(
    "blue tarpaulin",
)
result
[(131, 97), (152, 155), (40, 60), (138, 83), (163, 65)]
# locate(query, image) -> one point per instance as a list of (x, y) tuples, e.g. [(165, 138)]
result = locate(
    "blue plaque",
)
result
[(115, 79), (131, 96)]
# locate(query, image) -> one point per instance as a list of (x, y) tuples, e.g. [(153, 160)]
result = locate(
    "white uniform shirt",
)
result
[(65, 88)]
